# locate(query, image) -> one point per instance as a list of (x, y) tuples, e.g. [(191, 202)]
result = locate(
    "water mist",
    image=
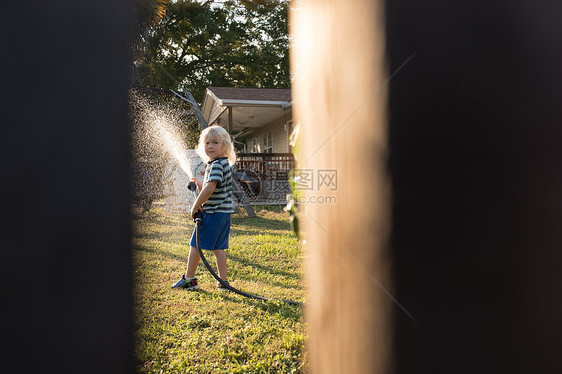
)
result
[(158, 142)]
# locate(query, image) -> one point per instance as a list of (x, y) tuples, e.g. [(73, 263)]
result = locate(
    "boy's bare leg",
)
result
[(220, 257), (192, 262)]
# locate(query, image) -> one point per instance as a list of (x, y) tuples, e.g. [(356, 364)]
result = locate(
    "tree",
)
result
[(198, 44), (147, 14)]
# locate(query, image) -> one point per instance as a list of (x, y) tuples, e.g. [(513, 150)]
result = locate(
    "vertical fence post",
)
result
[(340, 103), (472, 152)]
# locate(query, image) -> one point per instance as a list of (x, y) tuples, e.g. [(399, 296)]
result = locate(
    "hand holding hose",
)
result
[(197, 217), (196, 212), (197, 183), (193, 186), (203, 195)]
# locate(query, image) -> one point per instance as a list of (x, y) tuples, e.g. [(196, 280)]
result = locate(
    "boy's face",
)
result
[(214, 147)]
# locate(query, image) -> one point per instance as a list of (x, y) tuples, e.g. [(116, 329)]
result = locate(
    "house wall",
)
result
[(279, 133)]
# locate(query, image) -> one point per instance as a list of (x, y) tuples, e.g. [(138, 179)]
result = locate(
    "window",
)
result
[(255, 146), (268, 143)]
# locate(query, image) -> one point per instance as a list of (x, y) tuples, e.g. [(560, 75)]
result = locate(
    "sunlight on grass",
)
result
[(209, 331)]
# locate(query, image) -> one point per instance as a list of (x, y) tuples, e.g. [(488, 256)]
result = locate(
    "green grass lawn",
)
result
[(209, 331)]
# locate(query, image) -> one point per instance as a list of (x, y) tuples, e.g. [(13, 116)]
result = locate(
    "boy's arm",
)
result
[(203, 196)]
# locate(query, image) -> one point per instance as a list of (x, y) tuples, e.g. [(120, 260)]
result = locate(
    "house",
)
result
[(260, 117), (261, 122)]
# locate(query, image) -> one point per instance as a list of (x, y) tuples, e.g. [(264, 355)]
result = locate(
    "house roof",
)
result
[(251, 107), (255, 94)]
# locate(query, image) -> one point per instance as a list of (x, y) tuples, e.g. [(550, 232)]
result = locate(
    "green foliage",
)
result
[(147, 14), (228, 43), (209, 331), (292, 199)]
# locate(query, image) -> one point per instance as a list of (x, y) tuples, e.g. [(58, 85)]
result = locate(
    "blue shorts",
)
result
[(215, 228)]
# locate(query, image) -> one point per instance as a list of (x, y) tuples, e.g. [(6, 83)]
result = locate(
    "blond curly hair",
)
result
[(224, 136)]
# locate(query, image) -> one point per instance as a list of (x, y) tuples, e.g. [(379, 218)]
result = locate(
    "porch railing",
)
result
[(268, 174), (269, 166)]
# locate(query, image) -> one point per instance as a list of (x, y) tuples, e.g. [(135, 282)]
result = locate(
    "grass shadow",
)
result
[(266, 269), (169, 236), (271, 306), (160, 252), (253, 232), (262, 223)]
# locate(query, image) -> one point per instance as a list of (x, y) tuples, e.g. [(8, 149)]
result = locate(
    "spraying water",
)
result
[(156, 130), (163, 129), (176, 148)]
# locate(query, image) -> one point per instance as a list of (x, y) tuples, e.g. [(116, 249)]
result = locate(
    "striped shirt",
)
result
[(221, 200)]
